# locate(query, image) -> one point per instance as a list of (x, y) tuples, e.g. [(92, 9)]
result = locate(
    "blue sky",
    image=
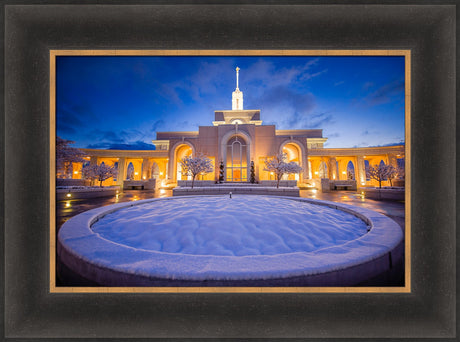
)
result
[(121, 102)]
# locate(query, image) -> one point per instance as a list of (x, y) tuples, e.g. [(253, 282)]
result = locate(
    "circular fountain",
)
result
[(241, 240)]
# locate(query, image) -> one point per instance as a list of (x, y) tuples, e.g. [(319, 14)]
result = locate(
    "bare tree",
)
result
[(66, 155), (392, 173), (279, 167), (99, 172), (401, 172), (200, 164), (379, 172)]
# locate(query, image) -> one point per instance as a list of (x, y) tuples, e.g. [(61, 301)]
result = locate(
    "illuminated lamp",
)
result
[(69, 194)]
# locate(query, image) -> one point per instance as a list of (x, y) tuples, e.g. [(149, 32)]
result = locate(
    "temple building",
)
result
[(236, 138)]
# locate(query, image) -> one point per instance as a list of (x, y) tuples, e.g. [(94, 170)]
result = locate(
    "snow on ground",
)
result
[(240, 226)]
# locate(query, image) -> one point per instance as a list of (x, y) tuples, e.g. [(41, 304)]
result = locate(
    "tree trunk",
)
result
[(193, 180), (380, 183), (278, 182), (100, 184)]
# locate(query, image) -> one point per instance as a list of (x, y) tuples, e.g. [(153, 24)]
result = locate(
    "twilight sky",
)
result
[(121, 102)]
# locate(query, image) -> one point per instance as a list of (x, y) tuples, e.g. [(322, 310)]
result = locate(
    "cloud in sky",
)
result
[(385, 93)]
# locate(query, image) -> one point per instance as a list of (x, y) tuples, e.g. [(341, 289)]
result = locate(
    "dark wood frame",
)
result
[(32, 312)]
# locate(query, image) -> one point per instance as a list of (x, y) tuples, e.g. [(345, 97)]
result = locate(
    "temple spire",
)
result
[(237, 95), (237, 74)]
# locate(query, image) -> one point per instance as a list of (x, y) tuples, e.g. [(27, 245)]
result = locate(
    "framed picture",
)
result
[(213, 243), (38, 36)]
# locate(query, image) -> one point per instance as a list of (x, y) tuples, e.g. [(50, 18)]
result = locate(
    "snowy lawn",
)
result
[(240, 226)]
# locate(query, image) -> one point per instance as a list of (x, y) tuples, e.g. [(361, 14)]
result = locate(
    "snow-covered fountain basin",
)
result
[(222, 241)]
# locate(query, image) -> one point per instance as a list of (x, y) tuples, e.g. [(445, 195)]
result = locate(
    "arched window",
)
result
[(130, 171), (237, 160), (382, 163), (350, 170), (366, 166)]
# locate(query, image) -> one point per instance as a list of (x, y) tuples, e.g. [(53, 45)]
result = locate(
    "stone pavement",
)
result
[(392, 209)]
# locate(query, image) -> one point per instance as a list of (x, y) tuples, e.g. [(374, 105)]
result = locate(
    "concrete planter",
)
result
[(72, 182), (84, 193), (389, 194)]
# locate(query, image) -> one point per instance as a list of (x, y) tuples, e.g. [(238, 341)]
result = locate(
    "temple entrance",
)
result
[(237, 160), (237, 175)]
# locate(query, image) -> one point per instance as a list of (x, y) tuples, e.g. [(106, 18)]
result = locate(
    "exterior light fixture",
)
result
[(136, 173), (316, 172), (144, 178), (344, 173), (67, 204), (69, 194), (75, 172), (161, 173)]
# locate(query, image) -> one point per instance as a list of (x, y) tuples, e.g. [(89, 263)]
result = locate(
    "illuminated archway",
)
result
[(293, 153), (180, 152)]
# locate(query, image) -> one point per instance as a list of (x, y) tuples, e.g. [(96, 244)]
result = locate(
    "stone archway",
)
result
[(180, 150), (295, 152)]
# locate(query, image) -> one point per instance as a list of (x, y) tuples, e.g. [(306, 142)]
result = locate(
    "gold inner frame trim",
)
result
[(207, 53)]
